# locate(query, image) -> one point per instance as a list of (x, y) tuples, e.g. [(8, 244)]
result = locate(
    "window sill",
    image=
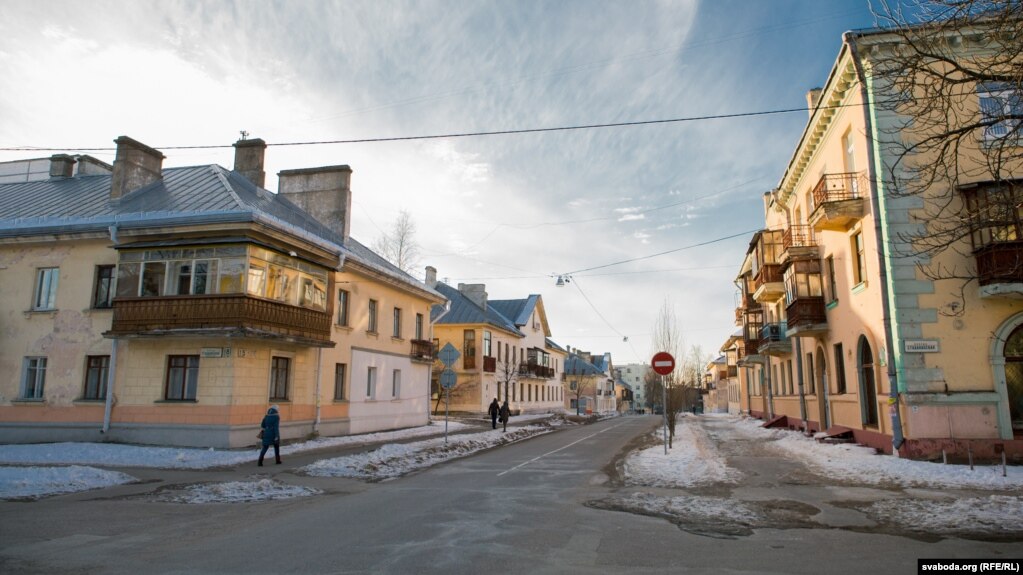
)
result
[(179, 401), (859, 287), (340, 401), (345, 328), (28, 401), (49, 312), (831, 304), (92, 309), (88, 401), (372, 334), (397, 339)]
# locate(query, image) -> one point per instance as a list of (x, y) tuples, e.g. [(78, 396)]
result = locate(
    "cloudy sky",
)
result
[(510, 211)]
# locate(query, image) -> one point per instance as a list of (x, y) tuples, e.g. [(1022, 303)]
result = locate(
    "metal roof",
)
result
[(184, 196), (465, 311)]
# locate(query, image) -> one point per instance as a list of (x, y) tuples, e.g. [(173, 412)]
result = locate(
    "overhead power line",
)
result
[(745, 233), (448, 135)]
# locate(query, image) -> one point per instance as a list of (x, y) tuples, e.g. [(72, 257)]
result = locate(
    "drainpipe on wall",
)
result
[(319, 373), (112, 374), (882, 254)]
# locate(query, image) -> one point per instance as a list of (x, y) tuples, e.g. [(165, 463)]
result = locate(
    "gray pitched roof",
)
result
[(575, 365), (465, 311), (186, 195), (517, 310)]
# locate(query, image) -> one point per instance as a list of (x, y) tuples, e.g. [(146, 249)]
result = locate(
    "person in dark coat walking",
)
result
[(494, 411), (505, 414), (271, 427)]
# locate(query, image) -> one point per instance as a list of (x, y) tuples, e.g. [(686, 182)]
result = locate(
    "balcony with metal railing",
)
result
[(806, 317), (422, 350), (773, 339), (535, 371), (838, 201), (799, 242)]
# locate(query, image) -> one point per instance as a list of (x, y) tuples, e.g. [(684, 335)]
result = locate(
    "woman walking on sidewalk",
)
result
[(271, 433)]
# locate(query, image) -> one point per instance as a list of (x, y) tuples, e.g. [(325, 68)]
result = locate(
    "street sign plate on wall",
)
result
[(663, 363)]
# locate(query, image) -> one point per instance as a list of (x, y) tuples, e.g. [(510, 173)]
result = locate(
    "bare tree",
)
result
[(507, 375), (399, 246), (667, 336), (949, 73)]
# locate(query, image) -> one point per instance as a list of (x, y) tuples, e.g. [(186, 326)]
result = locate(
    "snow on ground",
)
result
[(236, 492), (863, 465), (393, 460), (692, 460), (119, 455), (35, 482), (995, 514)]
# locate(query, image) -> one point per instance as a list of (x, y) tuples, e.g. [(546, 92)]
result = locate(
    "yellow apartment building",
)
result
[(505, 351), (844, 328), (174, 305)]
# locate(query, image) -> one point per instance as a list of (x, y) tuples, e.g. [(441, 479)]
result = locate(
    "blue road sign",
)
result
[(448, 355), (448, 378)]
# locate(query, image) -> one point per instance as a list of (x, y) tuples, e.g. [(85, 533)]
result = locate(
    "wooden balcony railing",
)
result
[(767, 274), (1000, 262), (536, 371), (806, 312), (489, 364), (422, 350), (218, 313)]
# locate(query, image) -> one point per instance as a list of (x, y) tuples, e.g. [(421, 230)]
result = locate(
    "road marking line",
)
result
[(559, 449)]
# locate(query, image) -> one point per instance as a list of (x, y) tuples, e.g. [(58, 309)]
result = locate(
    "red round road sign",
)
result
[(663, 363)]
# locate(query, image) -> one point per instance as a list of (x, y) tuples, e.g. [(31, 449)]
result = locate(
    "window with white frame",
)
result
[(396, 383), (280, 372), (34, 378), (371, 382), (1001, 108), (46, 289)]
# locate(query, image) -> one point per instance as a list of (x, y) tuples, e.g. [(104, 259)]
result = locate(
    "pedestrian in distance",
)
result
[(494, 411), (270, 431), (505, 414)]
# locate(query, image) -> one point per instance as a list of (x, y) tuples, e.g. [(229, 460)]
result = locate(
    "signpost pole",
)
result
[(447, 405), (664, 412)]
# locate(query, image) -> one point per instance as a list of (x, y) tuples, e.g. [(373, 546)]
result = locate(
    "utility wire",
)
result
[(459, 134), (662, 253)]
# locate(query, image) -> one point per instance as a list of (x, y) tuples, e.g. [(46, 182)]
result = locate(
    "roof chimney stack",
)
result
[(812, 99), (431, 276), (248, 160), (476, 293), (62, 166), (135, 165), (324, 193)]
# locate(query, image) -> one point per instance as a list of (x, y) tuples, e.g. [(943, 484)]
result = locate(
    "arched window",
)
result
[(868, 387), (1014, 376)]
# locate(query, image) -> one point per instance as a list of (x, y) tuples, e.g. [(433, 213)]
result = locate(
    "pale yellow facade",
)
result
[(820, 289)]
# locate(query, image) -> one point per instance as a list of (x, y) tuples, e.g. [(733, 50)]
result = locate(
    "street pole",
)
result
[(664, 412), (447, 405)]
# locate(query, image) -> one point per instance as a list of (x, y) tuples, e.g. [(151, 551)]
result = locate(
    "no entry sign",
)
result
[(663, 363)]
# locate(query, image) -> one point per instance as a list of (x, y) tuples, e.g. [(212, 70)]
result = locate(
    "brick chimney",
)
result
[(135, 165), (324, 193), (62, 166), (477, 294), (812, 99), (248, 160), (431, 276)]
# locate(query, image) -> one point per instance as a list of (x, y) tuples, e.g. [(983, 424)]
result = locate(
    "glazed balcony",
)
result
[(1000, 269), (220, 315), (799, 243), (773, 340), (752, 324), (838, 201), (806, 317), (422, 350)]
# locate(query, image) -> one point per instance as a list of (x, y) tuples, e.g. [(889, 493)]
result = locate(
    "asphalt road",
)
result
[(523, 508)]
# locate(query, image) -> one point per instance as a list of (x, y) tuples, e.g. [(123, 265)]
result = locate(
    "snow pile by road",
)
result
[(236, 492), (35, 482), (863, 465), (395, 460), (118, 455), (995, 514), (692, 460)]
